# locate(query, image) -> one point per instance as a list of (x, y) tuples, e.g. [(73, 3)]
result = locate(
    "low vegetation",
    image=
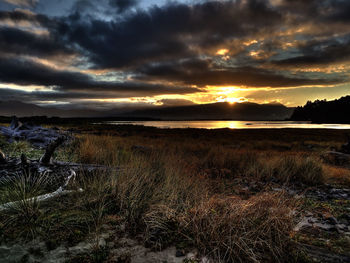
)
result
[(199, 191)]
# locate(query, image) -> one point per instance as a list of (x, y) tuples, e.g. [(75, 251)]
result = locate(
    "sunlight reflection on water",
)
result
[(232, 124)]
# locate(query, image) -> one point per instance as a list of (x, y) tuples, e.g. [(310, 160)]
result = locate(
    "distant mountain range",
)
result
[(322, 111), (217, 111), (21, 109)]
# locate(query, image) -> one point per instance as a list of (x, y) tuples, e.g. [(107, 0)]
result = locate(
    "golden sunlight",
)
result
[(234, 100), (222, 52)]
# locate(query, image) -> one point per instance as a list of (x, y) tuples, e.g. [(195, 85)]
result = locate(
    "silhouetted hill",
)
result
[(237, 111), (219, 111), (21, 109), (322, 111)]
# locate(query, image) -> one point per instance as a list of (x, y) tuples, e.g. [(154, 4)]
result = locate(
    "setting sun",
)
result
[(230, 100), (222, 52)]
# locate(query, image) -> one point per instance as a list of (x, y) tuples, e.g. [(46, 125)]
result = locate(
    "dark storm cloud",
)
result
[(18, 16), (26, 3), (32, 35), (13, 40), (168, 31), (123, 5), (340, 10), (23, 72), (103, 8), (205, 72), (318, 10), (320, 53)]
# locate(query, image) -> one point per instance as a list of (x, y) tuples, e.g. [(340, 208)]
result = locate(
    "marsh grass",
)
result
[(206, 159), (152, 180), (306, 170), (287, 168), (174, 192), (105, 150), (230, 229), (169, 196), (96, 201), (19, 193), (66, 219), (337, 175)]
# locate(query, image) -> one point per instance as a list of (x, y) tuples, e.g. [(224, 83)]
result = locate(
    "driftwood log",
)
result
[(46, 197), (2, 157), (58, 174), (57, 170), (38, 136), (50, 149)]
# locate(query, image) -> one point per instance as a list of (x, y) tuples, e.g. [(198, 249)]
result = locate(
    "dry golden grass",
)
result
[(337, 175), (166, 192), (180, 189), (148, 181), (204, 159), (230, 229)]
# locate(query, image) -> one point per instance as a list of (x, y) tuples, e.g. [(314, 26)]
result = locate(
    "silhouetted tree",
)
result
[(323, 111)]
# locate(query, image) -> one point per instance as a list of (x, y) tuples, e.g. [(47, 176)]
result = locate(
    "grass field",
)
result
[(212, 190)]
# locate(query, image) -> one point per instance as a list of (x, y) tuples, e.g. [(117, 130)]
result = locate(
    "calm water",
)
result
[(232, 124)]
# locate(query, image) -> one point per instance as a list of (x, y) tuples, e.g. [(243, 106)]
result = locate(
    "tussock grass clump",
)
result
[(154, 180), (96, 200), (24, 209), (306, 170), (162, 226), (229, 229), (135, 188)]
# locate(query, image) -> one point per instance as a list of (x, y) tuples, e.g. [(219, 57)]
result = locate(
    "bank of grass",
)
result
[(181, 192), (169, 192), (206, 159)]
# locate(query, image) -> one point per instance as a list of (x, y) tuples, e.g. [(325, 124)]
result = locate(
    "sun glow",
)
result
[(230, 100), (222, 52)]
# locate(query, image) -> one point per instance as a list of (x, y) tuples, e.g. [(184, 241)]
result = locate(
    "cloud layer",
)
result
[(124, 50)]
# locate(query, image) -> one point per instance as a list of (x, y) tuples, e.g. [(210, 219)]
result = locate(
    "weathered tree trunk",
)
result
[(14, 123), (2, 157), (46, 158)]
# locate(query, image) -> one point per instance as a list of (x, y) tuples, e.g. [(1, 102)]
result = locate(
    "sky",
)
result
[(102, 54)]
